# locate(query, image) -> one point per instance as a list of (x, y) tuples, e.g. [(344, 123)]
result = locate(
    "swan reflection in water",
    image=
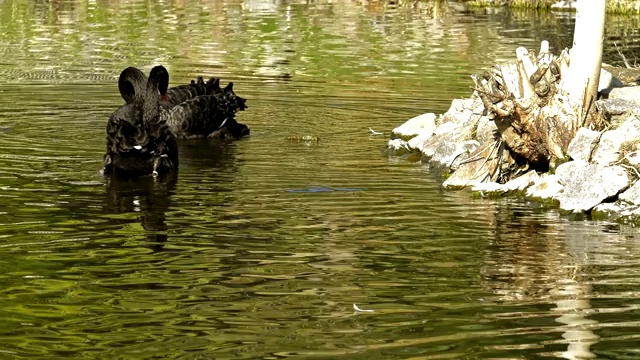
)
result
[(151, 196), (148, 196)]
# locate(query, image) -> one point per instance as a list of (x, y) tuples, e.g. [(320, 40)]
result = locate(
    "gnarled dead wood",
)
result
[(534, 114)]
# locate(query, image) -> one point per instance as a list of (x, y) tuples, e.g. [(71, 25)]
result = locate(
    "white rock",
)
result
[(469, 173), (461, 118), (608, 150), (587, 185), (618, 210), (421, 124), (490, 187), (547, 187), (417, 142), (630, 127), (460, 105), (397, 147), (633, 158), (630, 93), (445, 128), (456, 182), (448, 153), (523, 182), (608, 82), (583, 144), (632, 194), (610, 209)]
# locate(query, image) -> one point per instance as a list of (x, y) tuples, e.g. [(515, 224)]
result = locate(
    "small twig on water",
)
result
[(373, 132), (356, 308)]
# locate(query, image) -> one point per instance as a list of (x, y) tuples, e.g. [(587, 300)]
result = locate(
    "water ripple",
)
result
[(259, 248)]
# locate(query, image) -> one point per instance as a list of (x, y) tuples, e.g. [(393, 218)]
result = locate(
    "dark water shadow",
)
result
[(209, 154), (151, 197)]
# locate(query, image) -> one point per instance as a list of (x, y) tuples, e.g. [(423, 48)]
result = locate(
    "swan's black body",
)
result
[(139, 140), (201, 110), (142, 134)]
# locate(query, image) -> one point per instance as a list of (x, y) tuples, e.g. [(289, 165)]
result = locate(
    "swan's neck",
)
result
[(151, 107)]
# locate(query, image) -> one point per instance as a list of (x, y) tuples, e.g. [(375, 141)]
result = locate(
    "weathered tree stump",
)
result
[(534, 114), (540, 102)]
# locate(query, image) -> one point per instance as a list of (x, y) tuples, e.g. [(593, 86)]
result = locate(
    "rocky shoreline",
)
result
[(599, 177)]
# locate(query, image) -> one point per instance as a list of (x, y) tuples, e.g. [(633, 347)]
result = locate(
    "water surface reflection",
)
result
[(148, 196), (259, 248)]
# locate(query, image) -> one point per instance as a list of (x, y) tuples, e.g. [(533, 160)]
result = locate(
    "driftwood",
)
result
[(532, 111)]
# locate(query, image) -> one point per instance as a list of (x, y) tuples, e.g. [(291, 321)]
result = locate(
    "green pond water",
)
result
[(260, 247)]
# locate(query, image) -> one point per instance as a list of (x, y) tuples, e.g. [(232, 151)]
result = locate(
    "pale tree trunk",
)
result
[(581, 82), (540, 102)]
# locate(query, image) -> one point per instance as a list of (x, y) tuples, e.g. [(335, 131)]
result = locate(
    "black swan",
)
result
[(139, 139), (141, 135), (200, 109), (204, 110)]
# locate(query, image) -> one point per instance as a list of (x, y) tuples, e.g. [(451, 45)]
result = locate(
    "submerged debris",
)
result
[(304, 138)]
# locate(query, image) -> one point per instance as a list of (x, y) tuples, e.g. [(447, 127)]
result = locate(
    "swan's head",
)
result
[(131, 83), (159, 79), (231, 129)]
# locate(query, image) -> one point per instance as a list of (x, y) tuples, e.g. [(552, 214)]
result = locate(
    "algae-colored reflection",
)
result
[(260, 247)]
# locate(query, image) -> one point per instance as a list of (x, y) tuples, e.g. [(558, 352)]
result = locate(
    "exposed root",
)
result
[(494, 146), (629, 167), (477, 157), (624, 58)]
